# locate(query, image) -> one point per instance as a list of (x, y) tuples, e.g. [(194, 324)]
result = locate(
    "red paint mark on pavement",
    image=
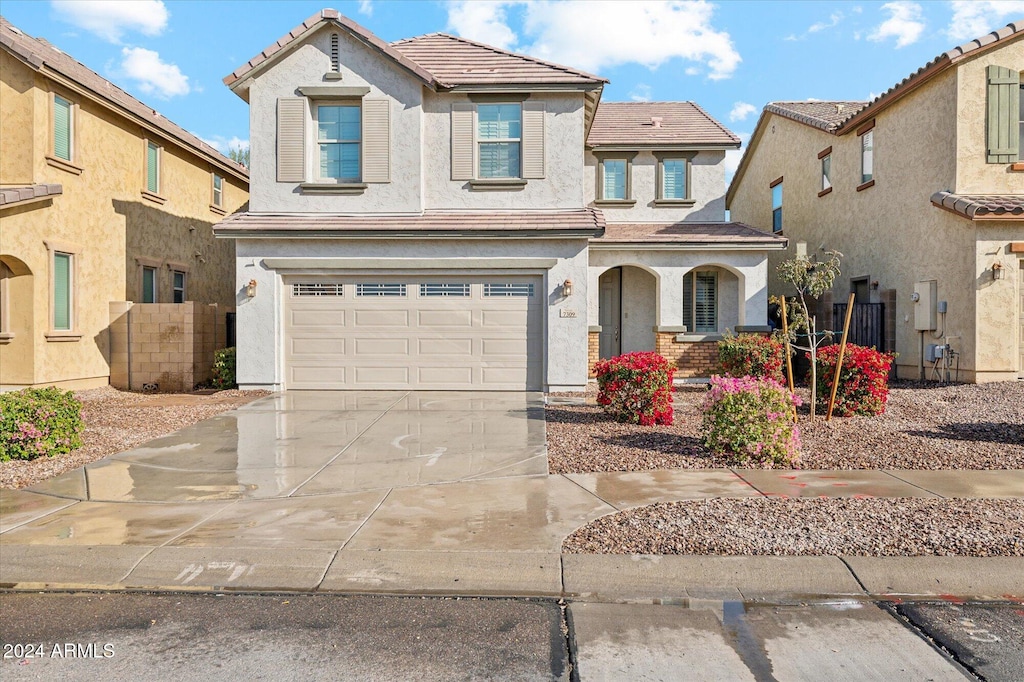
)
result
[(951, 598), (792, 478), (840, 485)]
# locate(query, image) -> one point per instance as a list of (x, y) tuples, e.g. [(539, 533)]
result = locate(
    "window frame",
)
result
[(692, 276), (315, 106), (154, 271), (216, 193), (175, 271), (825, 160), (601, 157), (478, 141), (74, 254), (777, 225), (71, 128), (659, 195), (148, 193), (6, 274), (867, 151), (70, 165)]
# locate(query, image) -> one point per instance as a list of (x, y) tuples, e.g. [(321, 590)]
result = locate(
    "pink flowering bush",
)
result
[(39, 421), (636, 388), (751, 419)]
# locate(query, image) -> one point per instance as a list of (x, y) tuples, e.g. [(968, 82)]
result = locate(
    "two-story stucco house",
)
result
[(102, 201), (436, 213), (922, 190)]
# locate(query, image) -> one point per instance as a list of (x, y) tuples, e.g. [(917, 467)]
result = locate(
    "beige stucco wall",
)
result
[(102, 216), (891, 233), (16, 123), (707, 187), (973, 174)]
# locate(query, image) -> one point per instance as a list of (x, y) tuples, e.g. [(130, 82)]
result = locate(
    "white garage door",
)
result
[(413, 332)]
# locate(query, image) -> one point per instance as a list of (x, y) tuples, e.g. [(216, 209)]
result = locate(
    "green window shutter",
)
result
[(153, 168), (62, 291), (1003, 111), (61, 128)]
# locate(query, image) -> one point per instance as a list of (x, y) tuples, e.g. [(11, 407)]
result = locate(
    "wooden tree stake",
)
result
[(839, 360), (789, 362)]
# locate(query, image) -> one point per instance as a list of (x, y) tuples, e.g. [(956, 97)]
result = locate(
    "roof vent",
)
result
[(839, 108), (656, 121)]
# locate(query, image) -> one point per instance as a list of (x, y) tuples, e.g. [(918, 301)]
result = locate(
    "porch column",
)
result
[(670, 297)]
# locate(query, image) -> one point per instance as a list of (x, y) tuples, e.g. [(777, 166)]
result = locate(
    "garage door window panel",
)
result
[(508, 290), (381, 289), (444, 290), (318, 289)]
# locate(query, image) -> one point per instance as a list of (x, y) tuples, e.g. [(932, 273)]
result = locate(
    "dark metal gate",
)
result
[(867, 324)]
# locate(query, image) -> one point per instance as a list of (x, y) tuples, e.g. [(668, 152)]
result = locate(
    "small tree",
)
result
[(811, 278), (239, 155)]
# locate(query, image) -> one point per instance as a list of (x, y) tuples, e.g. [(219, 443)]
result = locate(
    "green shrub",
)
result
[(224, 368), (37, 422), (863, 380), (752, 420), (752, 355), (636, 388)]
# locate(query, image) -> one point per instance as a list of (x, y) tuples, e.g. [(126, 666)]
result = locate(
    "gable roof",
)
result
[(808, 114), (456, 61), (41, 56), (440, 61), (682, 123)]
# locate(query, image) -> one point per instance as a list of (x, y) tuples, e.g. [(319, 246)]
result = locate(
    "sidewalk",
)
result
[(498, 536)]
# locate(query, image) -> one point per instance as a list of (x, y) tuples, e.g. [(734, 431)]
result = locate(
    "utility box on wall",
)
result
[(925, 295)]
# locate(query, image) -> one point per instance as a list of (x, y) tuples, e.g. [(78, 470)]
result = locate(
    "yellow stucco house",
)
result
[(922, 190), (102, 200)]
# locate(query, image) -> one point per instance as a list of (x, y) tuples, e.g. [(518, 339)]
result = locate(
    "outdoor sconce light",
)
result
[(250, 290), (567, 288), (997, 270)]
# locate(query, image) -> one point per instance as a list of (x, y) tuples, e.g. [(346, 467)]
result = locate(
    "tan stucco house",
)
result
[(438, 213), (102, 201), (922, 190)]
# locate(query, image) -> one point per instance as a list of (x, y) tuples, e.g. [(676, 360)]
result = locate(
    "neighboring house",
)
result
[(102, 200), (438, 213), (922, 190)]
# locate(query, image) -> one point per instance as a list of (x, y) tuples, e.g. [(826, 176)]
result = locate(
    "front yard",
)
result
[(924, 427), (118, 420)]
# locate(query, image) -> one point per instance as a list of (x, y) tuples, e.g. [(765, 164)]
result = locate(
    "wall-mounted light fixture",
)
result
[(250, 290), (997, 270), (567, 288)]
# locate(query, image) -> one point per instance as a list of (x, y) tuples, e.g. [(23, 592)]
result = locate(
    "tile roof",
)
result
[(682, 123), (456, 61), (41, 55), (828, 116), (584, 222), (982, 206), (737, 234), (16, 195)]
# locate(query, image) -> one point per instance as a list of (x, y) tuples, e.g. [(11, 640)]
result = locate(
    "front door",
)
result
[(609, 313)]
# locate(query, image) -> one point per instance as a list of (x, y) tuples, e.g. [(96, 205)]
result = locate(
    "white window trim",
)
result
[(315, 129), (75, 252), (477, 141)]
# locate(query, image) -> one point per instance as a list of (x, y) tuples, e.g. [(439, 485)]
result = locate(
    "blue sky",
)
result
[(730, 57)]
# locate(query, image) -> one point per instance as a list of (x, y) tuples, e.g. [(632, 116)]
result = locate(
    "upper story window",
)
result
[(825, 156), (614, 180), (63, 128), (776, 188), (499, 140), (673, 178), (867, 156), (218, 190), (339, 136), (153, 167)]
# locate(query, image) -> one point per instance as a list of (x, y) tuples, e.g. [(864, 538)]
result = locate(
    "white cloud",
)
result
[(366, 7), (225, 144), (734, 156), (975, 18), (111, 19), (596, 35), (151, 74), (905, 23), (641, 93), (741, 110), (832, 22)]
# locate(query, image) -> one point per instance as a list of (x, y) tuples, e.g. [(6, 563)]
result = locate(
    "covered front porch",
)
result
[(676, 290)]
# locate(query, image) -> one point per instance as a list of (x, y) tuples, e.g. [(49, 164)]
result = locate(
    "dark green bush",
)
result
[(224, 368), (37, 422)]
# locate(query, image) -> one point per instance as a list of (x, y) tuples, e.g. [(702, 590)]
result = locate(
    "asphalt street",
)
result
[(155, 636)]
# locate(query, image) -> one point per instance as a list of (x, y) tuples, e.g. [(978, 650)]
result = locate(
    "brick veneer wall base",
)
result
[(690, 358)]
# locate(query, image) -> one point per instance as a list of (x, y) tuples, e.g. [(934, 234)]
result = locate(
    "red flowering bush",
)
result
[(752, 355), (636, 388), (863, 380)]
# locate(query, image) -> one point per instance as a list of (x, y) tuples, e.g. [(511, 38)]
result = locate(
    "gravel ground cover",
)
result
[(925, 426), (844, 527), (118, 420)]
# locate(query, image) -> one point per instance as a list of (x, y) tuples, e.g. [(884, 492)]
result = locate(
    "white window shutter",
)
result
[(291, 139), (533, 140), (462, 140), (376, 140)]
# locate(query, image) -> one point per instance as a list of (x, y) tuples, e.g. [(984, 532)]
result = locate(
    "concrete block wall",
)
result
[(166, 347)]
